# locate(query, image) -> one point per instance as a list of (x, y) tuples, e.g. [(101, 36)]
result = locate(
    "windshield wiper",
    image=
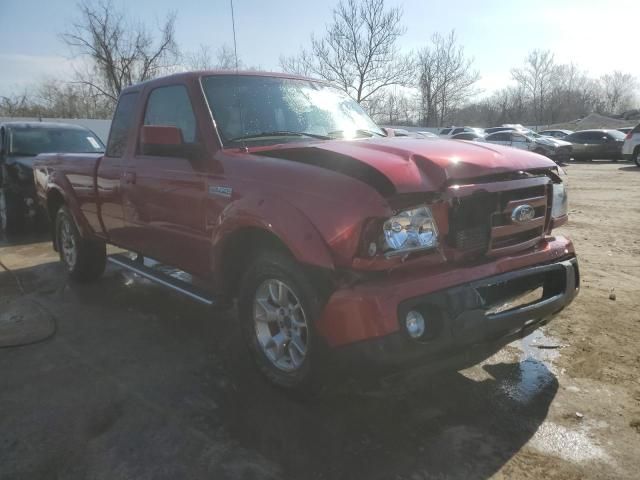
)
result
[(360, 131), (280, 133)]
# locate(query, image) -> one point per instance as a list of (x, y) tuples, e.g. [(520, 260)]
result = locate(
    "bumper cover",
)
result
[(461, 328)]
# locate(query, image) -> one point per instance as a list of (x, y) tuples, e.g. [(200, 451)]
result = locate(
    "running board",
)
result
[(145, 268)]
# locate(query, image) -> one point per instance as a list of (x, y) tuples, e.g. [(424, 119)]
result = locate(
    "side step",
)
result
[(162, 275)]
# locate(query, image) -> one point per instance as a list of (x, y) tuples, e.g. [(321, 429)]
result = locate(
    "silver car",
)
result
[(557, 150)]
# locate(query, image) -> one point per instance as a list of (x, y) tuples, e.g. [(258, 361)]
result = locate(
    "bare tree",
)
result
[(121, 52), (445, 78), (203, 59), (17, 105), (55, 98), (358, 52), (536, 77), (618, 91)]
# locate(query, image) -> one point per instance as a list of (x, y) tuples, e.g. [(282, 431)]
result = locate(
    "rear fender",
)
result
[(60, 184)]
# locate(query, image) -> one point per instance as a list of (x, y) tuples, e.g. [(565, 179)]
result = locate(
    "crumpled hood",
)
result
[(423, 164)]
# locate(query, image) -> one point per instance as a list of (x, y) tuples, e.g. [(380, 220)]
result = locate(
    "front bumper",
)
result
[(461, 328), (463, 332)]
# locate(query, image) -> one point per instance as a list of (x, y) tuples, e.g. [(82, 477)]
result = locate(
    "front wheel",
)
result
[(84, 258), (636, 157), (278, 306)]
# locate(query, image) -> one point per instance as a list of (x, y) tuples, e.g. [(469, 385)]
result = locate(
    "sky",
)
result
[(597, 35)]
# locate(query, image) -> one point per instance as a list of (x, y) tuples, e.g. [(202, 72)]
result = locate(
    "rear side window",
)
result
[(170, 106), (594, 137), (121, 124)]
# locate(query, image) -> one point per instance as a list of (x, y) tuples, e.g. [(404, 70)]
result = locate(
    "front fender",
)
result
[(279, 218)]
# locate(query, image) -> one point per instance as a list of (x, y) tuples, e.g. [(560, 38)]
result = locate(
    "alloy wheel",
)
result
[(280, 325), (68, 244)]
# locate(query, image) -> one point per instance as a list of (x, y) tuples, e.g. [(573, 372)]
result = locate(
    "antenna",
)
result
[(235, 44)]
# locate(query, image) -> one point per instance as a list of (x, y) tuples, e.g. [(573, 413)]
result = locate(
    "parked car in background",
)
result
[(489, 131), (556, 133), (468, 136), (548, 147), (402, 132), (424, 133), (20, 142), (456, 130), (631, 146), (597, 144), (334, 237)]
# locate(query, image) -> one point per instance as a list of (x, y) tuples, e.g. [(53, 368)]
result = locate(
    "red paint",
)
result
[(182, 211)]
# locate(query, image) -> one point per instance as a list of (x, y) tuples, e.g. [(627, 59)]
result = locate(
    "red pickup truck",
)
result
[(331, 234)]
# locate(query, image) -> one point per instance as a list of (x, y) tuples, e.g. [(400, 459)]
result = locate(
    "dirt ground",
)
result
[(131, 382)]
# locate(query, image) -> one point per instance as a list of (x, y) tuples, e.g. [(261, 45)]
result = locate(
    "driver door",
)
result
[(520, 141), (165, 192)]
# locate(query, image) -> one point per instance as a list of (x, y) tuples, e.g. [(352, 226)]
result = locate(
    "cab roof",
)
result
[(184, 76)]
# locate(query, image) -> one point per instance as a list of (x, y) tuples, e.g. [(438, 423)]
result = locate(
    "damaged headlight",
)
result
[(559, 201), (409, 231)]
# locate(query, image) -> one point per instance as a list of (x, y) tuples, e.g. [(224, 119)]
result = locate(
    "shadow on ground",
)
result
[(140, 383)]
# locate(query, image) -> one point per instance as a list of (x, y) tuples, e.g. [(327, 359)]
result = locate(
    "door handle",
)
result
[(129, 178)]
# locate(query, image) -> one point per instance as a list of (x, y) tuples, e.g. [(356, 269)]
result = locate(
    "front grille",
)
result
[(481, 222)]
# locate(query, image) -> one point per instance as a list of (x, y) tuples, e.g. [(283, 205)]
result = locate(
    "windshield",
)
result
[(34, 140), (259, 109)]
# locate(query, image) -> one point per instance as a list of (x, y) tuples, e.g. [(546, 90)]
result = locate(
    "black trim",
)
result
[(337, 162)]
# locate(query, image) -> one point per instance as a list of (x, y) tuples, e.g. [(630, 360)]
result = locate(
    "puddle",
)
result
[(535, 372)]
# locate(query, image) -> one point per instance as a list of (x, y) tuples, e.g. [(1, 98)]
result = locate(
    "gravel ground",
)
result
[(136, 383)]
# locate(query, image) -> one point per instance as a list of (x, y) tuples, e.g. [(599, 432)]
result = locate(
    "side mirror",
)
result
[(390, 132), (165, 141)]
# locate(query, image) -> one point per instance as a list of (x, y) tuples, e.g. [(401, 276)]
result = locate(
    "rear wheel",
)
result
[(278, 306), (11, 211), (84, 259)]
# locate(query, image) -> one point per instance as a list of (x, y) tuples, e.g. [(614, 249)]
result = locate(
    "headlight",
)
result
[(409, 231), (560, 201)]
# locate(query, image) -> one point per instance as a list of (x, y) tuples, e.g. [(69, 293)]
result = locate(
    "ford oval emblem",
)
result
[(523, 213)]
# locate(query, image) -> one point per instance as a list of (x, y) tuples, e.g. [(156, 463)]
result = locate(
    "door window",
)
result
[(170, 106), (499, 137), (121, 124)]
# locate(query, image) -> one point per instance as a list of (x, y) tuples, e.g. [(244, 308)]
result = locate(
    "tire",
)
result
[(636, 156), (11, 211), (84, 259), (272, 283)]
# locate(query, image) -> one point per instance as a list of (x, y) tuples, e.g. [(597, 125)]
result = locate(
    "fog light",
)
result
[(415, 324)]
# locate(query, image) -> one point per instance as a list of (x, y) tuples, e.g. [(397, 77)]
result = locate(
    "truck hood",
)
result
[(412, 164)]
